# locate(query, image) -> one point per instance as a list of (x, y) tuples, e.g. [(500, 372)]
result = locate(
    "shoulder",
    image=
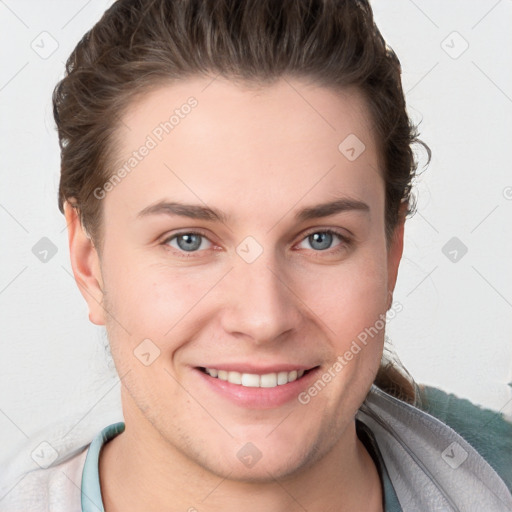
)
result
[(489, 432), (57, 488)]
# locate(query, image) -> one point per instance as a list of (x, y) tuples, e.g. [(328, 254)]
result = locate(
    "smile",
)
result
[(253, 380)]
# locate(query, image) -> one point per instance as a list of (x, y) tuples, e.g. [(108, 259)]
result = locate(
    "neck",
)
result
[(139, 470)]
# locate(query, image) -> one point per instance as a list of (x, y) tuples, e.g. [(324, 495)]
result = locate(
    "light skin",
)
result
[(259, 156)]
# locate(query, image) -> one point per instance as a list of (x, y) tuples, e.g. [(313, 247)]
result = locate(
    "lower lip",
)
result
[(259, 398)]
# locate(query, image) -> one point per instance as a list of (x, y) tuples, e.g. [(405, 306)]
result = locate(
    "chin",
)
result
[(263, 460), (265, 470)]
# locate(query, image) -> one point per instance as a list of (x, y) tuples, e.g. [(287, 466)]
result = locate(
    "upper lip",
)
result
[(258, 370)]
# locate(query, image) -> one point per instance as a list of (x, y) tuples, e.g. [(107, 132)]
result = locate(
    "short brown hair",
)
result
[(139, 44)]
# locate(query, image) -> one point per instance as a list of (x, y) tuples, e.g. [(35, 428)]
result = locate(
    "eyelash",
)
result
[(345, 242)]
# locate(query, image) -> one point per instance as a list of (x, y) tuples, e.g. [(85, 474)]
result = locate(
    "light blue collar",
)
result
[(91, 490)]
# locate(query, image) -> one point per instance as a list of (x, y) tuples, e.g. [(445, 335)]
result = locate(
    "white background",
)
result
[(455, 329)]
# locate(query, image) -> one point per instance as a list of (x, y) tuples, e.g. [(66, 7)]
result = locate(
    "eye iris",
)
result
[(193, 242), (324, 238)]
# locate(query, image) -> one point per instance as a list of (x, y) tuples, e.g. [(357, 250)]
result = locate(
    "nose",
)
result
[(259, 302)]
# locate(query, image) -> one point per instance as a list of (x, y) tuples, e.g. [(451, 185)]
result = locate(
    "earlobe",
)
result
[(85, 264)]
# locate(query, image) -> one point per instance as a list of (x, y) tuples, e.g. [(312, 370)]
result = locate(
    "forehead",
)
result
[(212, 140)]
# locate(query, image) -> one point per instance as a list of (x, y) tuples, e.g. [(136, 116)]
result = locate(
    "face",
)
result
[(254, 281)]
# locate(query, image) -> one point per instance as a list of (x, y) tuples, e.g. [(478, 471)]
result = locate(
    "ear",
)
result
[(395, 251), (85, 263)]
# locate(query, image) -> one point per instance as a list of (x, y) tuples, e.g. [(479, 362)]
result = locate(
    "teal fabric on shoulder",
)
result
[(91, 489), (487, 431)]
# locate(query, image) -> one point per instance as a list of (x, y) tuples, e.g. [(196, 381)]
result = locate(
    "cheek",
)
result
[(351, 296), (154, 301)]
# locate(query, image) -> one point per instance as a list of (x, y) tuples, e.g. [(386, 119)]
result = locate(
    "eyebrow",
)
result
[(193, 211)]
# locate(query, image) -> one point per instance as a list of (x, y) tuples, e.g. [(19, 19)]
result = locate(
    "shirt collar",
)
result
[(91, 490)]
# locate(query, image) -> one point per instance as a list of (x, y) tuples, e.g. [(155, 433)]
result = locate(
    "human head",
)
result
[(138, 45), (139, 52)]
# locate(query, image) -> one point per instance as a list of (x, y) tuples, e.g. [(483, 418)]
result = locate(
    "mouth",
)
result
[(255, 380)]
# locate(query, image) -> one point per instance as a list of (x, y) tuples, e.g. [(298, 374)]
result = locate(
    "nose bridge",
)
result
[(258, 301)]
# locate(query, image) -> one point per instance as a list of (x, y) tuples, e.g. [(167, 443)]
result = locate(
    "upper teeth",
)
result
[(252, 380)]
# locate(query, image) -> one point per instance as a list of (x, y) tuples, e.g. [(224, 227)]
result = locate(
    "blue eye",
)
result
[(187, 241), (321, 240)]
